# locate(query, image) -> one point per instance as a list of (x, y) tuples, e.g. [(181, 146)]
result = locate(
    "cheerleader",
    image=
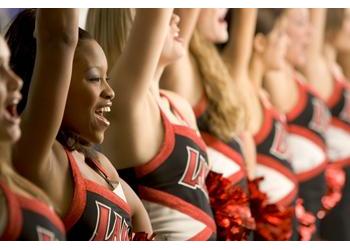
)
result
[(307, 114), (258, 46), (154, 137), (332, 28), (25, 211), (202, 78), (64, 71)]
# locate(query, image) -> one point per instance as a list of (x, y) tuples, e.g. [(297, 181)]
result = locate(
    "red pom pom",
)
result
[(306, 221), (142, 236), (335, 179), (273, 222), (230, 205)]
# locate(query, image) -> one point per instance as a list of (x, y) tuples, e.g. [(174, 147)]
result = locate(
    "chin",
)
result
[(11, 136), (221, 37)]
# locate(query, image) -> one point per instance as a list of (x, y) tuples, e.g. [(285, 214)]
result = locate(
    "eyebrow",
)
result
[(93, 67)]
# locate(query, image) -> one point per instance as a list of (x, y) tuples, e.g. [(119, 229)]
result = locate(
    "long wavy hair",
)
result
[(225, 117)]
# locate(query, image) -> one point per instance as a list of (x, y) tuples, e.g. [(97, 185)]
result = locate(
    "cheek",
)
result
[(207, 31), (80, 103)]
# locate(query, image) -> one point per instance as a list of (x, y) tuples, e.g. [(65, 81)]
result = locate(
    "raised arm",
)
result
[(314, 54), (239, 48), (180, 76), (318, 21), (188, 20), (133, 74), (56, 35), (136, 130)]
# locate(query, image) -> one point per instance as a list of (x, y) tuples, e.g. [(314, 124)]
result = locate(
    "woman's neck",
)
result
[(5, 153)]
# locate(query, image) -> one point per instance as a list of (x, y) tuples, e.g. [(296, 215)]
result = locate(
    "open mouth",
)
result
[(100, 115), (10, 113)]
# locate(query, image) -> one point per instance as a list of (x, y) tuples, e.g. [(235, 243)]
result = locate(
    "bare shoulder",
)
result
[(183, 106), (3, 212)]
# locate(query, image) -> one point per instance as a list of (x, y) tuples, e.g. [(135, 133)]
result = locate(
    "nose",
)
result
[(108, 92), (14, 83)]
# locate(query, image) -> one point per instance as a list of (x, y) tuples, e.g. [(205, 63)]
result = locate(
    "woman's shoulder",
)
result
[(182, 105)]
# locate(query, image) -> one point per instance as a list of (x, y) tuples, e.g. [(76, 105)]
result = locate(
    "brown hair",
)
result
[(334, 19), (266, 20), (223, 116)]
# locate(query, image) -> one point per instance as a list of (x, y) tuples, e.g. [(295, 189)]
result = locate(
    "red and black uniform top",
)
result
[(96, 212), (228, 176), (338, 134), (30, 219), (273, 157), (279, 182), (172, 184), (226, 158), (307, 123)]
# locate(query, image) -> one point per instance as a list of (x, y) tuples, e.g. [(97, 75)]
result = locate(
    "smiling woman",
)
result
[(65, 69), (155, 133)]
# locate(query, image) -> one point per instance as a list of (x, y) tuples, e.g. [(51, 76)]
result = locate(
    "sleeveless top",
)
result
[(279, 183), (338, 133), (228, 175), (172, 185), (225, 158), (96, 213), (307, 123), (29, 219)]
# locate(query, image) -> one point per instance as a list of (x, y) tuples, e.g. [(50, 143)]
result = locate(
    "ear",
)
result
[(259, 43)]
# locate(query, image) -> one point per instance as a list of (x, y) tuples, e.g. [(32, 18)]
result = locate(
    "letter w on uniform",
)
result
[(196, 171), (106, 227)]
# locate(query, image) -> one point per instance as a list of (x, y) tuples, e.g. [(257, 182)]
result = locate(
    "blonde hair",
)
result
[(110, 28), (12, 180), (224, 116)]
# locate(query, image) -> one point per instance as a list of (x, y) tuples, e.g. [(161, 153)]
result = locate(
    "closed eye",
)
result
[(95, 79)]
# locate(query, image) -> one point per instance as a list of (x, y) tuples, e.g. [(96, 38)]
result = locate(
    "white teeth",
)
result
[(13, 102), (104, 109)]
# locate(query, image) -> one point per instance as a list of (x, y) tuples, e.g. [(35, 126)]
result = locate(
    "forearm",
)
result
[(239, 48)]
